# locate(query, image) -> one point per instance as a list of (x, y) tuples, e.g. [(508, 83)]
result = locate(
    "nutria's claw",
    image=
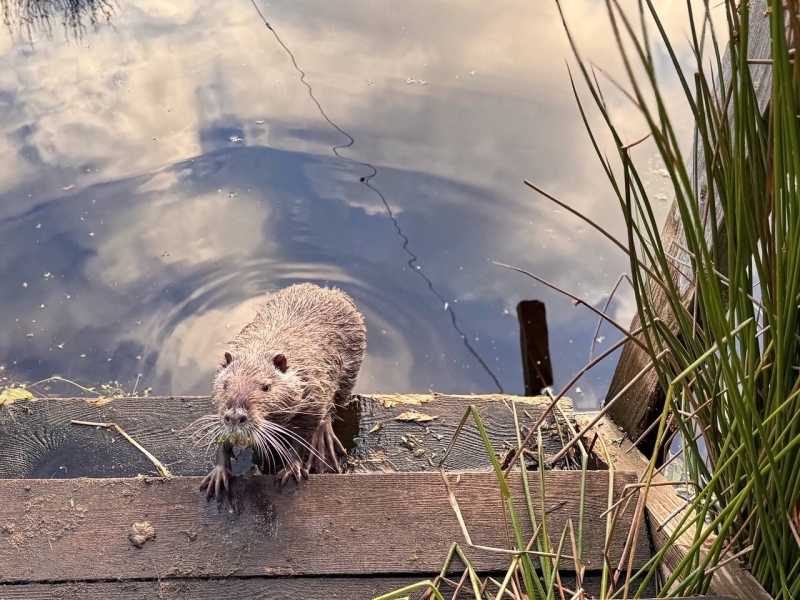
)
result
[(327, 449), (294, 470), (216, 481)]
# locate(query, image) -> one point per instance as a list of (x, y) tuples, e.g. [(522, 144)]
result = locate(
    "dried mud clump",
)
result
[(141, 533)]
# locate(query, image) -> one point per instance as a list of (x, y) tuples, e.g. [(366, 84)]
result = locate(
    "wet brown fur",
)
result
[(322, 335)]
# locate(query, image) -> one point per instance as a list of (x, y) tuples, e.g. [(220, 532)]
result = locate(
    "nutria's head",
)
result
[(252, 394)]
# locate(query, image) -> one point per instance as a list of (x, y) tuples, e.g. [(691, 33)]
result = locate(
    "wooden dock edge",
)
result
[(730, 580)]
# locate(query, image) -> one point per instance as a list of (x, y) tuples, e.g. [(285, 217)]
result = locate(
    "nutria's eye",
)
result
[(265, 387)]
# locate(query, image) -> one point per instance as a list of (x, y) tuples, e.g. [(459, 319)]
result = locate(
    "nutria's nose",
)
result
[(235, 417)]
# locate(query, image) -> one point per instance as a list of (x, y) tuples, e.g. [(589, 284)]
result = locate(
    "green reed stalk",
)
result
[(724, 301)]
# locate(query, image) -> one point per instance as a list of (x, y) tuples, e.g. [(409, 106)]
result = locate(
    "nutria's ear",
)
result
[(280, 363), (228, 358)]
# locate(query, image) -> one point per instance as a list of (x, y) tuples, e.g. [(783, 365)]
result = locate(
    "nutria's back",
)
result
[(316, 328)]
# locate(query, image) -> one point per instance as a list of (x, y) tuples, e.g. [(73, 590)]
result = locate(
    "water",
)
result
[(166, 172)]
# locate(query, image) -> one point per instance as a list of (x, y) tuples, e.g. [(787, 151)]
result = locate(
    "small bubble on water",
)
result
[(24, 284), (83, 356), (38, 226), (41, 306)]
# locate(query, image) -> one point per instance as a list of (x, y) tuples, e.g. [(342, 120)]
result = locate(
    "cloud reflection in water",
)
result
[(203, 181)]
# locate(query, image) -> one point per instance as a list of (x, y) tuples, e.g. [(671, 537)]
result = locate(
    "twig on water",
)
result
[(159, 465)]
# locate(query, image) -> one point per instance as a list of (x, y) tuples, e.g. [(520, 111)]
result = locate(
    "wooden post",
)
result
[(640, 405), (536, 365)]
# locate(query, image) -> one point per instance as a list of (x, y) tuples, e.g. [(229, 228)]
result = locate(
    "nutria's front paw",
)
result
[(294, 470), (216, 481), (327, 448)]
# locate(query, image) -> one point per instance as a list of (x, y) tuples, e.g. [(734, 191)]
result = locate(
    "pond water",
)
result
[(165, 172)]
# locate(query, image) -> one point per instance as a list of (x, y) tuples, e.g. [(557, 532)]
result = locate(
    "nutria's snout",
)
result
[(235, 417), (236, 427)]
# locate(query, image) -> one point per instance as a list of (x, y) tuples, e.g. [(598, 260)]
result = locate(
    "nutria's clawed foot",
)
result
[(217, 481), (327, 449), (296, 470)]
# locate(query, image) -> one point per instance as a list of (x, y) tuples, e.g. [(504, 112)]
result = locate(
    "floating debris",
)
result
[(259, 122), (68, 188), (236, 139)]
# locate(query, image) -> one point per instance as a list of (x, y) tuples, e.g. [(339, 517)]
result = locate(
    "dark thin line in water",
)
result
[(366, 181)]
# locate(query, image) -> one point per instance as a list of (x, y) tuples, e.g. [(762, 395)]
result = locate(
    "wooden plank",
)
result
[(536, 366), (640, 405), (257, 588), (359, 524), (663, 504), (38, 440)]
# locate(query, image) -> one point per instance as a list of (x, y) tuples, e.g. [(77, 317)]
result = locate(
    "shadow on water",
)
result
[(367, 181), (41, 16)]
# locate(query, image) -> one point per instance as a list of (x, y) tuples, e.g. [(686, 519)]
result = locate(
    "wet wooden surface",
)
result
[(359, 524), (38, 440)]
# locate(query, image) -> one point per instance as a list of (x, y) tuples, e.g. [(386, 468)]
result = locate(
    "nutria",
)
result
[(280, 381)]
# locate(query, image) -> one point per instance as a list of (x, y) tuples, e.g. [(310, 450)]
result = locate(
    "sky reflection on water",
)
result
[(165, 173)]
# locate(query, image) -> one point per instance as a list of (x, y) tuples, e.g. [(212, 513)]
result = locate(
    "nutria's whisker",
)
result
[(258, 442), (212, 432), (280, 429), (200, 422), (279, 447)]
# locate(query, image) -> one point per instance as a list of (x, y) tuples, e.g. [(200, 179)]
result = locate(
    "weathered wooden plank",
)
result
[(359, 524), (536, 366), (38, 440), (663, 504), (257, 588), (395, 445), (640, 405)]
